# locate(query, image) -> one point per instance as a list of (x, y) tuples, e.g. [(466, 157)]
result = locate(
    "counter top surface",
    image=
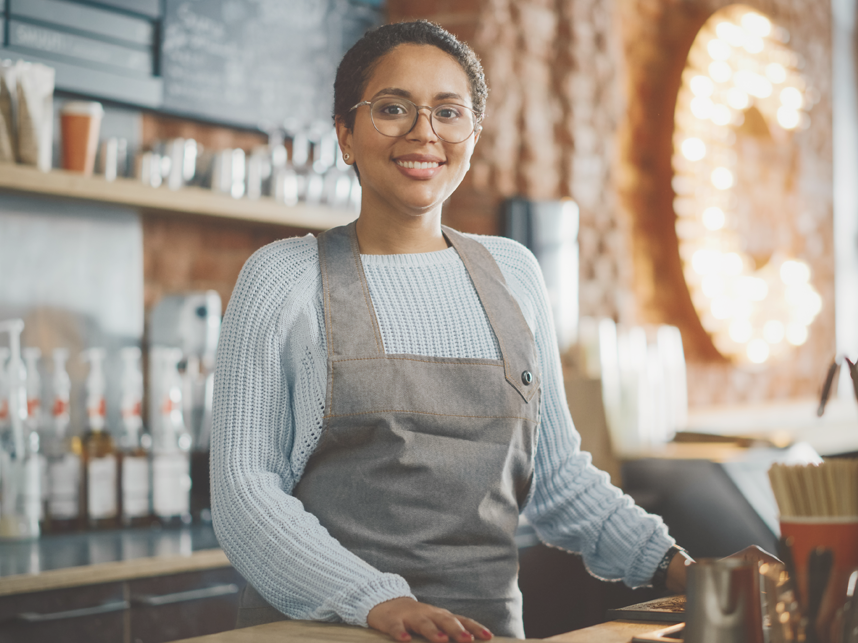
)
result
[(61, 551), (611, 632), (72, 560)]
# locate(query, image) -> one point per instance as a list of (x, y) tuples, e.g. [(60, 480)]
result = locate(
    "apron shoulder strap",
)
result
[(351, 325), (515, 339)]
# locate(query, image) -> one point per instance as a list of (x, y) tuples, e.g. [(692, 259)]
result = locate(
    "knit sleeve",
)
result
[(280, 548), (573, 505)]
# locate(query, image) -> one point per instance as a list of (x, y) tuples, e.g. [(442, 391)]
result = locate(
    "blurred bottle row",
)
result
[(56, 479)]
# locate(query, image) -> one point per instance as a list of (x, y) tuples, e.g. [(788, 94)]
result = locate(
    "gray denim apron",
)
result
[(424, 462)]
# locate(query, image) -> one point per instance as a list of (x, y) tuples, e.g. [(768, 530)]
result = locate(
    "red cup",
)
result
[(839, 534), (80, 123)]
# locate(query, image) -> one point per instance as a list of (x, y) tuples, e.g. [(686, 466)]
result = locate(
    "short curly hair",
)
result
[(357, 65)]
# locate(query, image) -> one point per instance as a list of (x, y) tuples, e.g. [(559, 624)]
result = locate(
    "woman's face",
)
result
[(389, 179)]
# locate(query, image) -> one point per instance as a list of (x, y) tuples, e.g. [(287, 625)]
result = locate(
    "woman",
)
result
[(389, 398)]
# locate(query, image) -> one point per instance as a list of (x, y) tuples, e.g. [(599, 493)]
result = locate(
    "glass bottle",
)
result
[(100, 464), (63, 453), (21, 481), (171, 441), (6, 439), (35, 425), (134, 445)]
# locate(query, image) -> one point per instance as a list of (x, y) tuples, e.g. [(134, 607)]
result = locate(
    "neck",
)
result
[(381, 234)]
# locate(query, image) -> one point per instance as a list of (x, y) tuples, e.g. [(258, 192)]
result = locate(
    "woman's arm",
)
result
[(278, 547), (573, 505)]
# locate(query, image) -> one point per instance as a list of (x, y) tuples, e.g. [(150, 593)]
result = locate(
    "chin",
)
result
[(420, 206)]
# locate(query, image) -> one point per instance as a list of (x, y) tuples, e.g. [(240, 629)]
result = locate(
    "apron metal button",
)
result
[(527, 377)]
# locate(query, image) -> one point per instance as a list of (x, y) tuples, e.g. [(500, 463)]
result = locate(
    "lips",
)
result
[(419, 166)]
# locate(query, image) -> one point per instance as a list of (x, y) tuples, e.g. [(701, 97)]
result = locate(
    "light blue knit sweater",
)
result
[(268, 403)]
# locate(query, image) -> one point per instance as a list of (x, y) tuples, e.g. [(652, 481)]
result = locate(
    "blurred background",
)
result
[(684, 170)]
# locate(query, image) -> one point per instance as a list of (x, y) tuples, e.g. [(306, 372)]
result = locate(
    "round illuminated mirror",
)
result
[(740, 104)]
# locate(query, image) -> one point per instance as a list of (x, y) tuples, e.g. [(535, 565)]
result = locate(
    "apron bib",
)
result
[(424, 463)]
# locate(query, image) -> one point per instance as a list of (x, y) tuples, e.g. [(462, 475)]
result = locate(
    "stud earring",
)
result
[(346, 156)]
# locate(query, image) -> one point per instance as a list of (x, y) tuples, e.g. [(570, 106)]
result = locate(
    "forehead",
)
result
[(421, 70)]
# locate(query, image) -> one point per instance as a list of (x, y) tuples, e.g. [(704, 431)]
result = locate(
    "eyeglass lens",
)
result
[(397, 116)]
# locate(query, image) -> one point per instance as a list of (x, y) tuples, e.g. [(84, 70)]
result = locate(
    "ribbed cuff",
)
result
[(384, 588), (642, 570)]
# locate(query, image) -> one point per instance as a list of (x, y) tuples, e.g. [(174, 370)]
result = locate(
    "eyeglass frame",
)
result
[(478, 118)]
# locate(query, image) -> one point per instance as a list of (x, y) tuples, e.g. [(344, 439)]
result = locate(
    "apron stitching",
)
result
[(366, 297), (329, 331), (328, 319), (452, 415), (327, 293), (412, 359)]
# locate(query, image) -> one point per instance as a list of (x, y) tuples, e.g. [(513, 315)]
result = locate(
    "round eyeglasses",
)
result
[(395, 116)]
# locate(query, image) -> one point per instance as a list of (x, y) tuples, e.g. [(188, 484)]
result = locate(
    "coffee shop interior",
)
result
[(683, 171)]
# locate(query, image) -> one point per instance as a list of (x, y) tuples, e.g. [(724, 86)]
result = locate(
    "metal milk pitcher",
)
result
[(724, 603)]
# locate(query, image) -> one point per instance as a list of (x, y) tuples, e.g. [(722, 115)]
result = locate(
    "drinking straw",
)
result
[(816, 490)]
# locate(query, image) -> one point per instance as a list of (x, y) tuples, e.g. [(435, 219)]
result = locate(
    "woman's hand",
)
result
[(399, 616), (676, 579)]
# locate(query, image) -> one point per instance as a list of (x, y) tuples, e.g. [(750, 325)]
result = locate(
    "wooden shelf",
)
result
[(190, 200)]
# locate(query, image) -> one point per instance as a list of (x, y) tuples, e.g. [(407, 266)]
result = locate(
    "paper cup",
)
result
[(839, 534), (80, 123)]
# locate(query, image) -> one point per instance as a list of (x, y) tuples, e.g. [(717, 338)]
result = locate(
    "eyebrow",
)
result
[(395, 91)]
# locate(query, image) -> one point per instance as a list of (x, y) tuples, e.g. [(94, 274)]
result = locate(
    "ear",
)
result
[(344, 137), (479, 129)]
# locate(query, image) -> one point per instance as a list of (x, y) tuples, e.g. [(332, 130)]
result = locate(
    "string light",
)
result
[(713, 218), (719, 50), (722, 178), (776, 73), (791, 98), (736, 98), (738, 60), (693, 149), (720, 72), (701, 86)]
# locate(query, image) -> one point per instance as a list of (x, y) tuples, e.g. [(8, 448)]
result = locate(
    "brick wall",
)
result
[(185, 252), (582, 96)]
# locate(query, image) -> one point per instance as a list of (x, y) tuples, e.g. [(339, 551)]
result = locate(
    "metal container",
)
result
[(724, 602), (228, 172), (113, 158)]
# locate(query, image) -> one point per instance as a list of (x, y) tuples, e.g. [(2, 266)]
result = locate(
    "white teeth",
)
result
[(416, 165)]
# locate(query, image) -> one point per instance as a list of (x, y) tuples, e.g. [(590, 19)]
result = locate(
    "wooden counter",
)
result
[(611, 632)]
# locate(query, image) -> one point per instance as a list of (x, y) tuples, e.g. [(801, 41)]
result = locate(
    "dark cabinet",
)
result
[(185, 605), (93, 613), (144, 610)]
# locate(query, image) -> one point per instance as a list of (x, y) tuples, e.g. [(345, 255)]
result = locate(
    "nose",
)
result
[(422, 129)]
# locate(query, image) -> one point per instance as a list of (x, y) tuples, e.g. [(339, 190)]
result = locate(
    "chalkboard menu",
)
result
[(257, 63)]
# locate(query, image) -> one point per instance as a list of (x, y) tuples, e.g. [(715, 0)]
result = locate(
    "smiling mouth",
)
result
[(418, 165)]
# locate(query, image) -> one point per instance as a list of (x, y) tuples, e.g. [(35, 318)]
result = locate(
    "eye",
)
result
[(391, 109), (448, 112)]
